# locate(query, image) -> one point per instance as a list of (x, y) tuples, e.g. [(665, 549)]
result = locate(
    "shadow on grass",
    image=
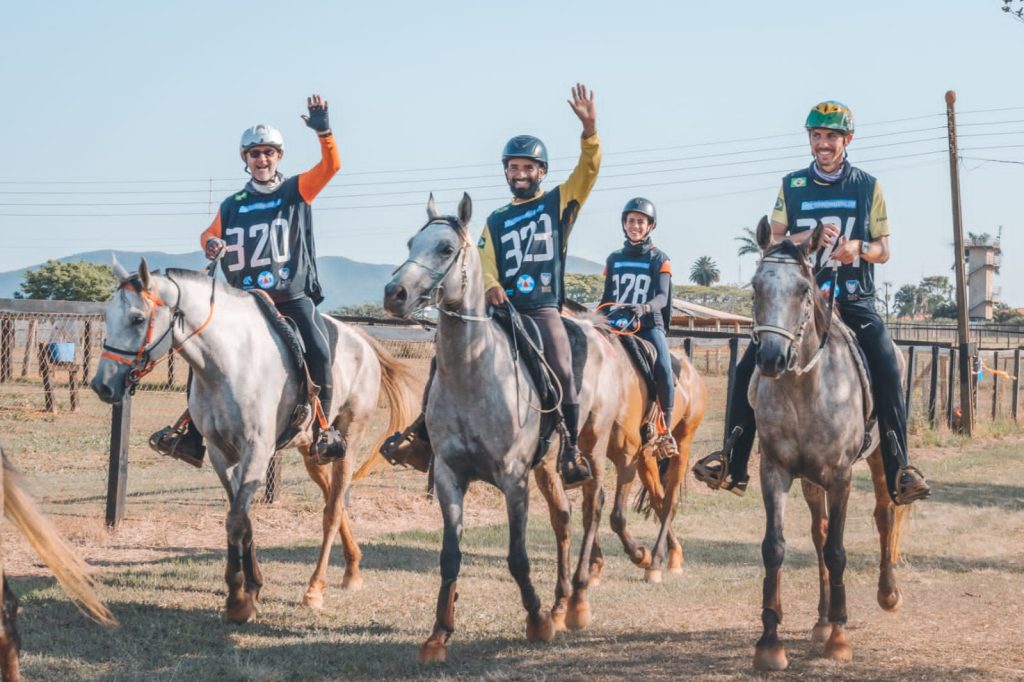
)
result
[(1007, 497)]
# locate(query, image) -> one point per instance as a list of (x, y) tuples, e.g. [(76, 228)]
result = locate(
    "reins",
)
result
[(808, 309), (141, 362)]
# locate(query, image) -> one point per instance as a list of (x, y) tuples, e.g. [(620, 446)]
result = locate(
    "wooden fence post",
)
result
[(911, 354), (117, 475), (45, 367), (995, 385), (951, 382), (86, 350), (30, 341), (933, 381), (6, 348), (1014, 401)]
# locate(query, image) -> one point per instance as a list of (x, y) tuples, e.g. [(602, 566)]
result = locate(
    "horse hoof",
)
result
[(539, 628), (241, 613), (837, 648), (558, 619), (314, 600), (579, 616), (645, 559), (433, 651), (890, 601), (820, 633), (352, 583), (652, 575), (767, 659)]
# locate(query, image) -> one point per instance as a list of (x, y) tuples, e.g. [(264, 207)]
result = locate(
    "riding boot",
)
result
[(906, 482), (410, 447), (573, 468), (181, 441)]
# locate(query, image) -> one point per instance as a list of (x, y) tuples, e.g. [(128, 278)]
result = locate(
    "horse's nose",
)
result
[(395, 297), (770, 361), (105, 393)]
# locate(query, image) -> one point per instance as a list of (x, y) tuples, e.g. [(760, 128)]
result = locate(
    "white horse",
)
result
[(243, 392)]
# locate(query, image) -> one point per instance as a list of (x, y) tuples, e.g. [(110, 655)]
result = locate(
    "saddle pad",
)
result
[(578, 346)]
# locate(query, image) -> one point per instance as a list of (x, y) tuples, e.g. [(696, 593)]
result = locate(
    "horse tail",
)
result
[(397, 382), (70, 570), (900, 517), (642, 501)]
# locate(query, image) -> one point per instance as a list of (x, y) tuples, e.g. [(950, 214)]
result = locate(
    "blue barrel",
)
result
[(61, 352)]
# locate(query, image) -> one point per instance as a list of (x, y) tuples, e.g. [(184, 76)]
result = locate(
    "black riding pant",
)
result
[(558, 354), (663, 376), (318, 348), (886, 390)]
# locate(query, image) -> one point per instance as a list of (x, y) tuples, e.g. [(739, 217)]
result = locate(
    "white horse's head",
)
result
[(138, 332), (429, 277)]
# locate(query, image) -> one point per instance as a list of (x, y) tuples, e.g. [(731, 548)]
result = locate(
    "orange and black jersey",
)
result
[(270, 235)]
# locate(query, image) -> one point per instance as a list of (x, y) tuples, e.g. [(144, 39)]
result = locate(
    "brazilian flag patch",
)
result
[(778, 204), (798, 182), (480, 244)]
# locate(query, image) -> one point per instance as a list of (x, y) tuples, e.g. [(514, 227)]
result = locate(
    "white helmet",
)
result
[(261, 134)]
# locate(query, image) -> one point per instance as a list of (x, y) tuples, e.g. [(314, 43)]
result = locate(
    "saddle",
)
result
[(644, 356), (527, 346), (289, 333)]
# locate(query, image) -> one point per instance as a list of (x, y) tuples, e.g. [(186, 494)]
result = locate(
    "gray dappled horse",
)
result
[(243, 392), (810, 405), (483, 418)]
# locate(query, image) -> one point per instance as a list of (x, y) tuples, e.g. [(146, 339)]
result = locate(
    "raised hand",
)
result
[(582, 104), (317, 119)]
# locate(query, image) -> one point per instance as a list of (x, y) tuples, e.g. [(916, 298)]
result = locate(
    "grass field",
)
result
[(162, 574)]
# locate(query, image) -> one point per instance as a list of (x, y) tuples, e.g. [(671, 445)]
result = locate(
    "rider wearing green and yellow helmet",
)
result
[(850, 205)]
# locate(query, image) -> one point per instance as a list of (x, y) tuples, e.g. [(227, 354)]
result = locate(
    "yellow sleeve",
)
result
[(488, 261), (577, 187), (878, 219), (779, 213)]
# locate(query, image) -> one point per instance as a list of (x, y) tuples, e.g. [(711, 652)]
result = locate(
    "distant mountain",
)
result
[(345, 281)]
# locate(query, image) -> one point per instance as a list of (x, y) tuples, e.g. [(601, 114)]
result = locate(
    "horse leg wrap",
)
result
[(445, 619)]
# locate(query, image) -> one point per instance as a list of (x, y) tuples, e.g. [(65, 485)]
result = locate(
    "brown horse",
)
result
[(71, 572)]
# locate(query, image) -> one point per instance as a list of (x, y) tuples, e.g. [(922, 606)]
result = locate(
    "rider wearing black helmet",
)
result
[(850, 205), (638, 280), (523, 250), (265, 235)]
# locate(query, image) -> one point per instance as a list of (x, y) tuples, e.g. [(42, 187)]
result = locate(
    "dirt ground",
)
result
[(162, 574)]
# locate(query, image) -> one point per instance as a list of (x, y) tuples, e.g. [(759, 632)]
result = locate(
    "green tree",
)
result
[(361, 310), (704, 271), (748, 242), (1004, 314), (584, 288), (79, 281)]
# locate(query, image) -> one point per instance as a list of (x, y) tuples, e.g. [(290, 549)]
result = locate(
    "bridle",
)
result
[(807, 309), (433, 296), (141, 361)]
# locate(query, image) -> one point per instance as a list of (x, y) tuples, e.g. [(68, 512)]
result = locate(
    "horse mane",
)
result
[(787, 249)]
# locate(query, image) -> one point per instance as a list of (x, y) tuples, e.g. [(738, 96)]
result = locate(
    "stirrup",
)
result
[(665, 447), (712, 470), (414, 437), (573, 469), (170, 441), (916, 488), (330, 446)]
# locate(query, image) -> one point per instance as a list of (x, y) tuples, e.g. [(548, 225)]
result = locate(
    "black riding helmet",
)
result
[(525, 147), (640, 205)]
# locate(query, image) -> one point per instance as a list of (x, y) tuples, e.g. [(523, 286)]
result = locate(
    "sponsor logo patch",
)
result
[(852, 286), (265, 279), (284, 273), (778, 204), (480, 244), (828, 204), (247, 282), (525, 284), (241, 196), (545, 279), (797, 182)]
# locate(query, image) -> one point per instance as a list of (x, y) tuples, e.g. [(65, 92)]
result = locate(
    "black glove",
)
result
[(317, 119)]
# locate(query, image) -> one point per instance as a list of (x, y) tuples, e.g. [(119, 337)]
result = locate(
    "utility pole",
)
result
[(967, 351)]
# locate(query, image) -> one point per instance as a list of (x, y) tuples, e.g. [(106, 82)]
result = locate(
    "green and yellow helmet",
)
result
[(832, 115)]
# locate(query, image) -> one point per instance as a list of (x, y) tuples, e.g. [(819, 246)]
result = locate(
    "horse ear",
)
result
[(144, 274), (764, 233), (432, 211), (465, 209), (814, 242), (118, 269)]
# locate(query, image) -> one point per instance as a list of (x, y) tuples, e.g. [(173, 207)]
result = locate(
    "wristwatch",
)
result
[(864, 246)]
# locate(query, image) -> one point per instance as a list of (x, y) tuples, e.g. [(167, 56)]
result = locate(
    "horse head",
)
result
[(785, 299), (138, 332), (429, 277)]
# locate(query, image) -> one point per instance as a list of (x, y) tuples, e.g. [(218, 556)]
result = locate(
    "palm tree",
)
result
[(748, 242), (704, 272)]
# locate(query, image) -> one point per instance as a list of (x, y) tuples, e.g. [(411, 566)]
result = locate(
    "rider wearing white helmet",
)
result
[(850, 205), (264, 236)]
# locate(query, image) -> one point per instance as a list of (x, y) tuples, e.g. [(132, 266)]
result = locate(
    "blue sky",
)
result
[(128, 110)]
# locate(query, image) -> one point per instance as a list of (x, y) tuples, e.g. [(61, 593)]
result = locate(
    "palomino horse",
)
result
[(70, 571), (242, 398), (810, 406), (484, 421)]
